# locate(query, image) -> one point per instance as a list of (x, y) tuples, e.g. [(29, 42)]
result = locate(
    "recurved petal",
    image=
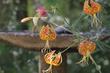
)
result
[(26, 19)]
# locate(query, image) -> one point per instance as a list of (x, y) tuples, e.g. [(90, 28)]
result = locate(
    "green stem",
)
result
[(105, 44), (96, 65), (100, 45), (76, 22), (46, 47), (67, 48)]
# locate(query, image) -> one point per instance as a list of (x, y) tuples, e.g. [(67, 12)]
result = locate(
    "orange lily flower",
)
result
[(86, 48), (92, 8), (47, 33), (53, 59)]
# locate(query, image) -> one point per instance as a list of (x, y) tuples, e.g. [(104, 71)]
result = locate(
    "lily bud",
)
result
[(41, 11)]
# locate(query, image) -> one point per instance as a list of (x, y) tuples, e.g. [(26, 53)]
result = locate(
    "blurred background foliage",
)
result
[(18, 60)]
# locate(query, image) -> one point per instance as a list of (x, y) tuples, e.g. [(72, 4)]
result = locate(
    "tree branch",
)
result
[(26, 40)]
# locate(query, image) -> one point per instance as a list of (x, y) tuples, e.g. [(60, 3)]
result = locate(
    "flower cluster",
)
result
[(47, 33)]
